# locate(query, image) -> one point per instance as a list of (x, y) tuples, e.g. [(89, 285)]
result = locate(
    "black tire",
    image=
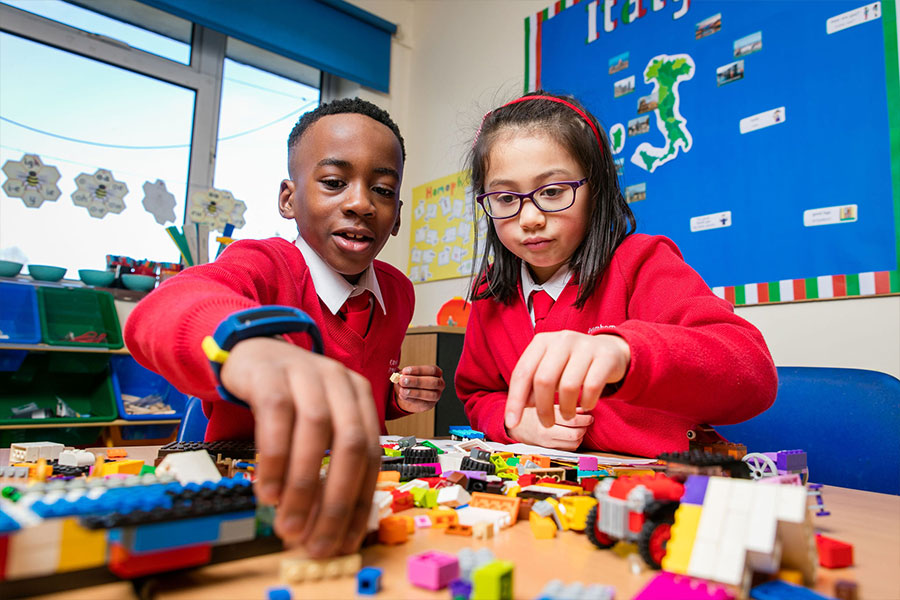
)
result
[(649, 543), (598, 538)]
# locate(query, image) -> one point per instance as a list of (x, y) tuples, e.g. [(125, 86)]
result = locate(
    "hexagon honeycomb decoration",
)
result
[(31, 180), (159, 202), (100, 193), (217, 208)]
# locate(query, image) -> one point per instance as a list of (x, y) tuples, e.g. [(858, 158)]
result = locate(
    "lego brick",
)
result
[(368, 581), (237, 528), (393, 530), (128, 565), (173, 534), (34, 550), (279, 593), (32, 451), (80, 548), (462, 530), (763, 521), (190, 467), (443, 517), (781, 590), (543, 528), (127, 467), (298, 570), (483, 531), (493, 581), (239, 449), (509, 505), (454, 495), (587, 463), (681, 542), (846, 590), (75, 458), (791, 504), (432, 570), (577, 509), (834, 554), (470, 515), (668, 586)]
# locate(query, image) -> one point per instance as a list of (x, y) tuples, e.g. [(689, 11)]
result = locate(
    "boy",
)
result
[(345, 161)]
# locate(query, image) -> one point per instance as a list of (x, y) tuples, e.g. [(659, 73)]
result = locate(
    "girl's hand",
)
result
[(303, 404), (567, 362), (419, 388), (565, 434)]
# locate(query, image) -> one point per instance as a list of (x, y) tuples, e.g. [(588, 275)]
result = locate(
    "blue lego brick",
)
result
[(278, 593), (7, 523), (462, 431), (782, 590), (598, 473), (791, 460), (174, 534), (368, 581)]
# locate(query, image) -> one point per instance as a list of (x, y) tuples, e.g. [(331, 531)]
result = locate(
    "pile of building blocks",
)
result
[(702, 520)]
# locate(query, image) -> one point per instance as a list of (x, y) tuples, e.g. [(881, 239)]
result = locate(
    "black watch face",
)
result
[(268, 313)]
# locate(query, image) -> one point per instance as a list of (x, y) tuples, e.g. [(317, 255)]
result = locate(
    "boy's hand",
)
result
[(565, 434), (419, 388), (304, 404), (567, 362)]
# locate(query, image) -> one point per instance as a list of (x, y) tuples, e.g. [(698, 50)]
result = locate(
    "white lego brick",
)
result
[(763, 522), (190, 467), (76, 458), (33, 451), (466, 447), (765, 562), (381, 508), (715, 507), (703, 559), (454, 495), (471, 515), (791, 505), (557, 492), (34, 550), (732, 549), (415, 483), (451, 461), (740, 495), (233, 531)]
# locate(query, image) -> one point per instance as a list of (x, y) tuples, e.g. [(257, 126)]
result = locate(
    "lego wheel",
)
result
[(653, 539), (597, 537), (760, 465)]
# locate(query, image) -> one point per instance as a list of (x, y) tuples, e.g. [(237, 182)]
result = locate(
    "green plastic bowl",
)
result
[(96, 277), (9, 268), (139, 283), (46, 272)]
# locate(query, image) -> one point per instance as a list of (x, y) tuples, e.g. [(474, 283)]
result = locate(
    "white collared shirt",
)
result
[(331, 287), (553, 286)]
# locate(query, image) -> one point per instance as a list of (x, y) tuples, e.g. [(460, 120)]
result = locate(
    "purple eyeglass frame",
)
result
[(574, 184)]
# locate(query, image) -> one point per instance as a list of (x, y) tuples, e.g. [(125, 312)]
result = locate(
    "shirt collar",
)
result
[(332, 288), (553, 286)]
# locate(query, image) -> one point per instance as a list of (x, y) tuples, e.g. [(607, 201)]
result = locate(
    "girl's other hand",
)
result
[(564, 434), (567, 362), (419, 388)]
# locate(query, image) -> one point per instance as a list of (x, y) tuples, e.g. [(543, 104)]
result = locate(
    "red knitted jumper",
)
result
[(692, 359), (164, 331)]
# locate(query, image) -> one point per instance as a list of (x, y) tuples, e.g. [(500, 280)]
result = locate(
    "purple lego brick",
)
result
[(587, 463), (460, 589), (695, 489), (791, 460), (667, 586), (432, 570)]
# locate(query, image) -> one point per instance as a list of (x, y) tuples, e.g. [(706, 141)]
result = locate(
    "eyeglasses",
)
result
[(549, 198)]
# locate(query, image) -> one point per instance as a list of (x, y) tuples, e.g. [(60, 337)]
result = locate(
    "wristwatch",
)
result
[(262, 321)]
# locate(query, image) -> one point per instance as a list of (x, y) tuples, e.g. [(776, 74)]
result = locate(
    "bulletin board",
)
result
[(762, 137), (443, 230)]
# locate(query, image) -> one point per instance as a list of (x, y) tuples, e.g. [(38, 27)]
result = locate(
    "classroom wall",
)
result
[(455, 59)]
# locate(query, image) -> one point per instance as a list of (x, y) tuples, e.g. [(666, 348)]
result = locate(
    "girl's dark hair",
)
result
[(611, 218)]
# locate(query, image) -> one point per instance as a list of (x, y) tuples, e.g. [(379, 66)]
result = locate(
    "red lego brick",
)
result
[(834, 554), (527, 479), (4, 546), (127, 565), (401, 501)]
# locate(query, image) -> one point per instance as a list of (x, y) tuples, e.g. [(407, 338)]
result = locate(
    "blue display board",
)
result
[(756, 135)]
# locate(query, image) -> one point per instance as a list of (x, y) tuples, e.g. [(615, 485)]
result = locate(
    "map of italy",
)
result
[(666, 72)]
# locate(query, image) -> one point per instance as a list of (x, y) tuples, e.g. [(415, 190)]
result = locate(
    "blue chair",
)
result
[(847, 421), (193, 424)]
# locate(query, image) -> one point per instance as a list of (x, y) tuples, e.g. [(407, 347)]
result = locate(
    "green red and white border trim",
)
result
[(824, 287), (813, 288)]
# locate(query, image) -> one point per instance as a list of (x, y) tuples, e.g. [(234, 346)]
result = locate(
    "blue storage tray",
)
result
[(129, 377), (20, 321)]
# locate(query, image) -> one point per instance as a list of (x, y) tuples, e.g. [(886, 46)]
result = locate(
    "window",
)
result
[(143, 109)]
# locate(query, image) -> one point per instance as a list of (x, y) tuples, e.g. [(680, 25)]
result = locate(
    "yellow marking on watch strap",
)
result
[(212, 350)]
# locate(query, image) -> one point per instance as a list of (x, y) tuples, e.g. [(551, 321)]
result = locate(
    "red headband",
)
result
[(580, 112)]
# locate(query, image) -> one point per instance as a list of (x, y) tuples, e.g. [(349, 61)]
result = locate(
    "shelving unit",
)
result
[(49, 348), (29, 424)]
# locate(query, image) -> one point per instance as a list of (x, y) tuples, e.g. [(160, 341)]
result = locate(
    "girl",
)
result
[(583, 333)]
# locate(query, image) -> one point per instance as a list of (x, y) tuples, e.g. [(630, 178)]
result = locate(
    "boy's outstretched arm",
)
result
[(303, 404)]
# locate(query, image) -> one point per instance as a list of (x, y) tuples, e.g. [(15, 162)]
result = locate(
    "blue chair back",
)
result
[(193, 424), (847, 421)]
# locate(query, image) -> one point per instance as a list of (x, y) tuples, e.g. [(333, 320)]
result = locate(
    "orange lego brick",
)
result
[(443, 517), (116, 453), (393, 530), (389, 476), (507, 504), (457, 529)]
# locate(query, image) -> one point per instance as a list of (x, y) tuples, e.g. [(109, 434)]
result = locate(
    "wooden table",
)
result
[(869, 521)]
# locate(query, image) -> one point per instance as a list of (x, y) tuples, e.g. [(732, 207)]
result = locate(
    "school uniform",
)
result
[(693, 360), (165, 330)]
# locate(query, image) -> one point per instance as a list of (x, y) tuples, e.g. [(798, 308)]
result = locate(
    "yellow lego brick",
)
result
[(681, 542), (543, 528), (127, 467), (514, 491), (443, 517), (575, 489), (81, 548), (791, 576), (577, 509), (493, 581), (561, 516)]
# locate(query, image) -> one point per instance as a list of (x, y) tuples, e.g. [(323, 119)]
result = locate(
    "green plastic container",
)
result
[(85, 314), (36, 381), (70, 436)]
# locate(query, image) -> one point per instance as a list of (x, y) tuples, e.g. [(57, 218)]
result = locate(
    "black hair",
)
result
[(611, 219), (341, 106)]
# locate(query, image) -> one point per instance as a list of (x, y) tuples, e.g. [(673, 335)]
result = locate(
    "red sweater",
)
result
[(164, 331), (692, 359)]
